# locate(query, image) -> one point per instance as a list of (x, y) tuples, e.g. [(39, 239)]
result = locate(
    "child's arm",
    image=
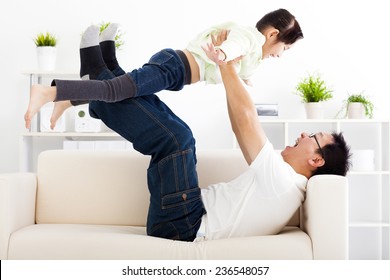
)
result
[(237, 44)]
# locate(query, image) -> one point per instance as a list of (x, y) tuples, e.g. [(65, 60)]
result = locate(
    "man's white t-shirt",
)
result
[(259, 202)]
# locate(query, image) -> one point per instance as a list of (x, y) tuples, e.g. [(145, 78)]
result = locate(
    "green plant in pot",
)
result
[(313, 90), (45, 40), (46, 50), (358, 106)]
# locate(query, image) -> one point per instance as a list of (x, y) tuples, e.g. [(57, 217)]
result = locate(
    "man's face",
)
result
[(307, 147)]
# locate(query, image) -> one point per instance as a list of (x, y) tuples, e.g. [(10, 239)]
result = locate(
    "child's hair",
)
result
[(285, 22)]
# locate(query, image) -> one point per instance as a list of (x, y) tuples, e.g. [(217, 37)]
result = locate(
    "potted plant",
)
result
[(46, 51), (313, 91), (118, 37), (358, 106)]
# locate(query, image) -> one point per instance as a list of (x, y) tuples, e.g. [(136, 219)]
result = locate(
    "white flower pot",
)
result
[(314, 110), (46, 58), (355, 110)]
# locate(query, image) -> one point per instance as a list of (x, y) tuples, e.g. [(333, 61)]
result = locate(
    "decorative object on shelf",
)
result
[(358, 106), (46, 51), (267, 110), (313, 90), (84, 122), (118, 37)]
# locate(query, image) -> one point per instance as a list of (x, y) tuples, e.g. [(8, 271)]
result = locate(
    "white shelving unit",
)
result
[(369, 190)]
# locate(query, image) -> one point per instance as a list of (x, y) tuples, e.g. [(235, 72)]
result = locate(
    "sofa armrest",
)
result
[(17, 205), (325, 216)]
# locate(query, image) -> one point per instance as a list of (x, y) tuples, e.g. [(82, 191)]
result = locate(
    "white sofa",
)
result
[(93, 205)]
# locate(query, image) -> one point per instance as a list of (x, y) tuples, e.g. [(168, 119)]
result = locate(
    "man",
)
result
[(262, 200)]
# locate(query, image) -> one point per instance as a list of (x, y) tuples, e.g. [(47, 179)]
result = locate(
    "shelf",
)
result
[(385, 172), (282, 121), (48, 74), (70, 134), (368, 224)]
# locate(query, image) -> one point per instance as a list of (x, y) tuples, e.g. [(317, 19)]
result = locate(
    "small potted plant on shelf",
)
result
[(313, 90), (46, 51), (358, 106)]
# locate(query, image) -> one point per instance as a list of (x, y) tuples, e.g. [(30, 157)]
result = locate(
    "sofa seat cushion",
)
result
[(77, 241)]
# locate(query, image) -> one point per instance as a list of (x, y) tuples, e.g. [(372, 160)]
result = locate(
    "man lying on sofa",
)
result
[(259, 202)]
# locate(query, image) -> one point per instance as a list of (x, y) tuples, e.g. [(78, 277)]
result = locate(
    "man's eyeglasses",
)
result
[(313, 135)]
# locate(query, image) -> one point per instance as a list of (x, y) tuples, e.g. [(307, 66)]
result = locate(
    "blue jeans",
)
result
[(176, 207)]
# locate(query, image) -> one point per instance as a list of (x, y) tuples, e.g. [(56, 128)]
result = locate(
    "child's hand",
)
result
[(216, 54), (213, 52)]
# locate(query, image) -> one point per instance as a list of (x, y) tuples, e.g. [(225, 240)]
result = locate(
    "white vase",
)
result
[(46, 58), (355, 110), (314, 110)]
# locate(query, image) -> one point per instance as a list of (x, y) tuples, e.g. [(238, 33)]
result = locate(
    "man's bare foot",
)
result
[(59, 109), (39, 96)]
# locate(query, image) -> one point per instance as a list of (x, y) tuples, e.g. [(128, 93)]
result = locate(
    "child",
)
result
[(276, 32)]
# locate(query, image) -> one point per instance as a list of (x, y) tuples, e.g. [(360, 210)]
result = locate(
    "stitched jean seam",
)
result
[(170, 133)]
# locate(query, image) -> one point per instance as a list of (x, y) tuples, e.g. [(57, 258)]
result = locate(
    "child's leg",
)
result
[(164, 71), (108, 49), (59, 108)]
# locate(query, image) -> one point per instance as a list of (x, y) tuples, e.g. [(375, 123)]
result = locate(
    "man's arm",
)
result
[(242, 113)]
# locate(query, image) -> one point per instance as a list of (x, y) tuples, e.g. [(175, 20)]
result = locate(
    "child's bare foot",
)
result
[(39, 96), (59, 109)]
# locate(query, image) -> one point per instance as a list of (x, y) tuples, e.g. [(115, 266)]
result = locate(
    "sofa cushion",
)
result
[(63, 241), (92, 188)]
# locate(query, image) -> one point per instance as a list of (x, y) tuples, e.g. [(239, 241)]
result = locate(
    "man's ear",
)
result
[(316, 162)]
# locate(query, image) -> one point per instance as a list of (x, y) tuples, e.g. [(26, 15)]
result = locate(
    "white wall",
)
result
[(345, 41)]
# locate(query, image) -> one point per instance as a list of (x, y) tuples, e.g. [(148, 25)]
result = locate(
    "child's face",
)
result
[(274, 49)]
